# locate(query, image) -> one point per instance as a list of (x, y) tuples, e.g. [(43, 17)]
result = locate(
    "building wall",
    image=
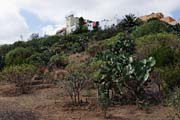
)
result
[(71, 23), (106, 24)]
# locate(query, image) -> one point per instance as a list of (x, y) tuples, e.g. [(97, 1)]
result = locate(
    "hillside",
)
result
[(127, 72)]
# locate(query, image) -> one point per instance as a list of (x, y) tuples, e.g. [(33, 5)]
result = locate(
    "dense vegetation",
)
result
[(122, 63)]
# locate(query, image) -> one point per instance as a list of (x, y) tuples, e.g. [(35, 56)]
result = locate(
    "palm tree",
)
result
[(129, 21)]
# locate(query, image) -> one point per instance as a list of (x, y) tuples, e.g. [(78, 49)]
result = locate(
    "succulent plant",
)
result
[(120, 71)]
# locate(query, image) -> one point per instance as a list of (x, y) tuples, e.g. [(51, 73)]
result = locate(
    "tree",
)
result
[(96, 27), (82, 26), (34, 36), (129, 21), (17, 56), (81, 22), (2, 63), (37, 59), (176, 28), (59, 60), (74, 83)]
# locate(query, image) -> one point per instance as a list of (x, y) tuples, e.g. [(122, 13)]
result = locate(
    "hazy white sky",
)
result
[(24, 17)]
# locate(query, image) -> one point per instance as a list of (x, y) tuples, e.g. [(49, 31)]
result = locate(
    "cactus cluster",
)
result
[(122, 74)]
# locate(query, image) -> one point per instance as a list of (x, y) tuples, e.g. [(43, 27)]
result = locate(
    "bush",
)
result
[(59, 60), (174, 101), (171, 78), (94, 68), (99, 46), (37, 59), (157, 42), (164, 56), (17, 56), (123, 75), (74, 83), (21, 76), (73, 43), (151, 27), (2, 62)]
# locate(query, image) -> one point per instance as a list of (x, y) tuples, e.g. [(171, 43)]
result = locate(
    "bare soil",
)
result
[(51, 104)]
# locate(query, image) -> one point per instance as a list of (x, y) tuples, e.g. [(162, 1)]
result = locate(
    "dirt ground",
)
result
[(52, 105)]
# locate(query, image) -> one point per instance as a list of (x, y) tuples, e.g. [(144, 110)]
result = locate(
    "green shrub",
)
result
[(167, 78), (174, 101), (94, 68), (37, 59), (74, 83), (20, 75), (17, 56), (147, 44), (2, 62), (122, 74), (99, 46), (151, 27), (164, 56), (59, 60), (171, 78)]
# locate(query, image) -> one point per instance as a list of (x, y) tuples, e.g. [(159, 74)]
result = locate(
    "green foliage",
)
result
[(59, 60), (37, 59), (73, 43), (151, 27), (2, 62), (105, 34), (174, 101), (4, 49), (48, 41), (121, 74), (129, 22), (164, 47), (82, 28), (17, 56), (148, 44), (94, 68), (96, 28), (74, 83), (104, 99), (171, 78), (20, 75), (164, 56), (176, 29), (97, 47)]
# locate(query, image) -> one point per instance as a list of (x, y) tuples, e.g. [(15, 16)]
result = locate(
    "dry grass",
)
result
[(50, 104)]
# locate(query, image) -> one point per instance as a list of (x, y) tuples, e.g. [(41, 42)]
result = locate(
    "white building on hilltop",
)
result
[(106, 24), (72, 23)]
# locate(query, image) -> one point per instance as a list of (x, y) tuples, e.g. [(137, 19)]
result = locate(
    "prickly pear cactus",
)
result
[(121, 71)]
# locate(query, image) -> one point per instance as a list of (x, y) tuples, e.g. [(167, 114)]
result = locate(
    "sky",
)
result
[(24, 17)]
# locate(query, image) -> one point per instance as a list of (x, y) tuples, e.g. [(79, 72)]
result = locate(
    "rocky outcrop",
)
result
[(161, 17)]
